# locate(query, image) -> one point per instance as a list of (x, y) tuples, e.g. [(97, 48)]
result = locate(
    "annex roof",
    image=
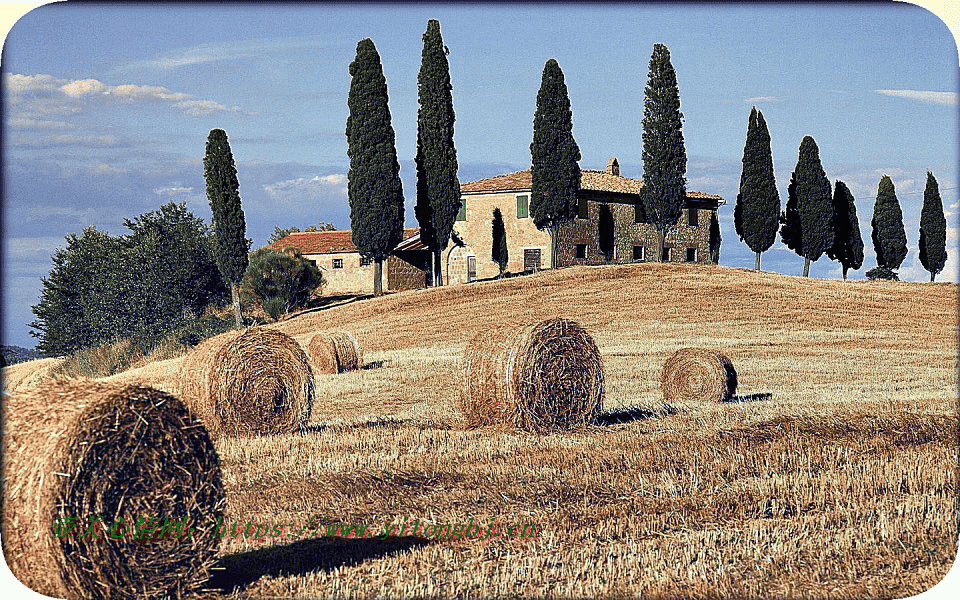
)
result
[(326, 242)]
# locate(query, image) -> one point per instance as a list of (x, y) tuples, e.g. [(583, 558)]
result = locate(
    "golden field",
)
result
[(838, 478)]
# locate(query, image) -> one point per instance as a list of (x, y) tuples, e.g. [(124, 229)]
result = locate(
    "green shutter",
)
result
[(462, 214), (523, 207)]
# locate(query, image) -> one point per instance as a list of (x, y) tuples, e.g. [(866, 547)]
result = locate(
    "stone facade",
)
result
[(343, 272)]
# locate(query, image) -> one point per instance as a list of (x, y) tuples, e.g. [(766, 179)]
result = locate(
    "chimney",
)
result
[(613, 167)]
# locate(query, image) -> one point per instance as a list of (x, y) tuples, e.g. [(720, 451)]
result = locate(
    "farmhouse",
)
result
[(610, 227), (346, 272)]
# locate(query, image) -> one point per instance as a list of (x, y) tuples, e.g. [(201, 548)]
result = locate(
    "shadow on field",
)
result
[(633, 413), (749, 398), (376, 364), (386, 422), (236, 571)]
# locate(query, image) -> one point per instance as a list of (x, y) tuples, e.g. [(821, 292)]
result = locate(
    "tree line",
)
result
[(819, 219)]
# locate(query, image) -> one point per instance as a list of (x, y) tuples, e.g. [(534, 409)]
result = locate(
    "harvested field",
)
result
[(836, 478)]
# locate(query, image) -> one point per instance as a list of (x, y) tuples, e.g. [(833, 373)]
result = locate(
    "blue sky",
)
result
[(106, 107)]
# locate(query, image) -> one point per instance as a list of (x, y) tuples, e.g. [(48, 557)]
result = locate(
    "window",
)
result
[(338, 263), (691, 255), (693, 217), (583, 211), (638, 253), (531, 259), (462, 213), (665, 257), (639, 216), (581, 250), (523, 206), (471, 268), (365, 261)]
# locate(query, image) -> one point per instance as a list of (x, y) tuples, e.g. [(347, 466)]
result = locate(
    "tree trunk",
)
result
[(378, 277), (235, 295), (437, 273), (756, 266), (806, 267), (553, 247), (844, 273), (661, 240), (932, 277)]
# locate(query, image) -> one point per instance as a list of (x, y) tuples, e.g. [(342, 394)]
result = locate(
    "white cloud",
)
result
[(82, 141), (759, 99), (173, 191), (944, 98), (27, 123), (24, 88), (303, 187)]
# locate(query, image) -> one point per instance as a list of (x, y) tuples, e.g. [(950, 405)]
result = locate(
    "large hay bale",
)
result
[(335, 352), (80, 453), (698, 374), (251, 382), (542, 377)]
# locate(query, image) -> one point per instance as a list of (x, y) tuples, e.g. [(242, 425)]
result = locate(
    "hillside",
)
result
[(842, 482)]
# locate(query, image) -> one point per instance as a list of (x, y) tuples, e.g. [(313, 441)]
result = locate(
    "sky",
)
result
[(106, 108)]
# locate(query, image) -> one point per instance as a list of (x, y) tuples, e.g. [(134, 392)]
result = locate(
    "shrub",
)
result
[(882, 273), (280, 281)]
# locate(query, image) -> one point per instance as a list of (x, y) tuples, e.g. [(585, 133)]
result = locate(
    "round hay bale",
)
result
[(251, 382), (83, 463), (698, 374), (543, 377), (335, 352)]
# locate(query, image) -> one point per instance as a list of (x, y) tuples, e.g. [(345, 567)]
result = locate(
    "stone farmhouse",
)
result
[(346, 272), (607, 200)]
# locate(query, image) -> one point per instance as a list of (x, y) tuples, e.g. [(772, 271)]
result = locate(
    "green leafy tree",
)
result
[(223, 191), (373, 181), (438, 189), (888, 235), (605, 232), (847, 246), (279, 233), (498, 250), (281, 281), (664, 155), (715, 239), (810, 206), (756, 214), (554, 170), (933, 229)]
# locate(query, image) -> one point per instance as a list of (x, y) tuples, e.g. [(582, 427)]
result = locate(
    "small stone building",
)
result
[(346, 272), (611, 226)]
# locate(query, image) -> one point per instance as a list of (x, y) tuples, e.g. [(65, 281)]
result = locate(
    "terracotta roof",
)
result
[(326, 242), (590, 180)]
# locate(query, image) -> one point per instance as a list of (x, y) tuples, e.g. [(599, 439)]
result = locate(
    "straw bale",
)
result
[(335, 352), (102, 455), (543, 377), (698, 374), (254, 381)]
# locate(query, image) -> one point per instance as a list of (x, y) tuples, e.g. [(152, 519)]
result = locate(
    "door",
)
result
[(531, 259), (471, 268)]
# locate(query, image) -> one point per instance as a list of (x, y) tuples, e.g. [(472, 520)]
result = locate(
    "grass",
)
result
[(834, 475)]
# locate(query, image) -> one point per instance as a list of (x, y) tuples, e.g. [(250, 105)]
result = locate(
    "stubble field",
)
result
[(836, 478)]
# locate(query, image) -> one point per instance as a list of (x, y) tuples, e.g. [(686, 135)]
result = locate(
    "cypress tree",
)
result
[(814, 205), (438, 189), (715, 238), (664, 155), (230, 245), (374, 189), (889, 236), (933, 229), (554, 170), (790, 219), (498, 251), (756, 214), (847, 248)]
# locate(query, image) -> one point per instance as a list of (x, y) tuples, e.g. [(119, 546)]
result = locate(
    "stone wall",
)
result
[(351, 278)]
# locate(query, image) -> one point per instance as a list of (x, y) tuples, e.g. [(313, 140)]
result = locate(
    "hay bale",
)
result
[(75, 451), (335, 352), (698, 374), (542, 377), (251, 382)]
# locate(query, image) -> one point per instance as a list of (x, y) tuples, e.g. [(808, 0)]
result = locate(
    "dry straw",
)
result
[(98, 454), (542, 377), (335, 352), (698, 374), (251, 382)]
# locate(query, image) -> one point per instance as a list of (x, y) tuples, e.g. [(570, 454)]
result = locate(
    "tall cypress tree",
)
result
[(889, 236), (664, 155), (230, 246), (933, 229), (554, 170), (438, 189), (756, 214), (498, 250), (715, 238), (812, 200), (374, 189), (847, 248)]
